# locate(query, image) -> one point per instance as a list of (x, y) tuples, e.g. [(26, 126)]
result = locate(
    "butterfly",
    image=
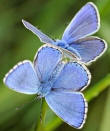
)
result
[(76, 40), (58, 81)]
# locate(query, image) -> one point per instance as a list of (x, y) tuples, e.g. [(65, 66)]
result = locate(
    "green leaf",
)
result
[(105, 124)]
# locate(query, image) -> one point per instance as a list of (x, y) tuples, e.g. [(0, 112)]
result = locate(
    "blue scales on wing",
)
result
[(86, 22), (22, 78), (88, 49), (46, 61), (70, 107), (43, 37), (73, 77)]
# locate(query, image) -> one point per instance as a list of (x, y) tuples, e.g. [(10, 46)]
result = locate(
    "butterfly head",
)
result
[(61, 43)]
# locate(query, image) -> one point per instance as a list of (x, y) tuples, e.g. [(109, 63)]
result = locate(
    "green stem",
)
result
[(97, 88), (40, 126)]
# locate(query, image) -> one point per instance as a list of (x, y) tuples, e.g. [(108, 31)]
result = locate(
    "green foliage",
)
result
[(17, 44)]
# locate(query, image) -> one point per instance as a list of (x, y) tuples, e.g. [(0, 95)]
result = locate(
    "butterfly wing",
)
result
[(46, 61), (73, 77), (85, 22), (88, 49), (70, 107), (22, 78), (43, 38)]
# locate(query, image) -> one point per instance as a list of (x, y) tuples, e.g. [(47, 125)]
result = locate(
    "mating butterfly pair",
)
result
[(61, 82)]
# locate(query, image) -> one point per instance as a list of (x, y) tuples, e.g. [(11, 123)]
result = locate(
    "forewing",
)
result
[(89, 48), (71, 107), (43, 38), (46, 61), (73, 77), (85, 22), (22, 78)]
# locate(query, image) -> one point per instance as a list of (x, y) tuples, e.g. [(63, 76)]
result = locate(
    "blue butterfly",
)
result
[(76, 40), (59, 82)]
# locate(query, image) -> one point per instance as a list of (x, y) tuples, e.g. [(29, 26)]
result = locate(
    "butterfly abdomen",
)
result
[(44, 89)]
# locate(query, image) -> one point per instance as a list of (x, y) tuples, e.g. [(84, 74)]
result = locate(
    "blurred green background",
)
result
[(17, 44)]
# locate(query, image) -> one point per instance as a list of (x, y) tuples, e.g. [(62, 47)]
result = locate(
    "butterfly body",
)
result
[(59, 82), (76, 40), (73, 54), (44, 89), (61, 43)]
